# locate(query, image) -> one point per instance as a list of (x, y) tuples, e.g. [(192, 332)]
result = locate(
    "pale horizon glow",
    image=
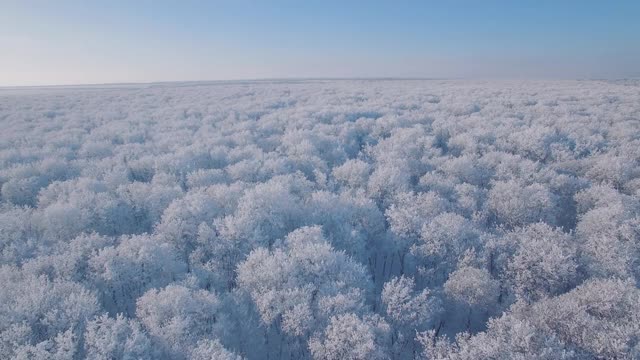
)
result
[(72, 42)]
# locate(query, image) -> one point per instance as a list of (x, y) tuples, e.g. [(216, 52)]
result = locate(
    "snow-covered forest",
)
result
[(321, 220)]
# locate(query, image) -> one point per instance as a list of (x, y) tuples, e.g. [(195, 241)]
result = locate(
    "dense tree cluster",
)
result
[(321, 220)]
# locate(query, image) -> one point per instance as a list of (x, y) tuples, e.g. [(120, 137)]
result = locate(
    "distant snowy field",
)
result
[(321, 219)]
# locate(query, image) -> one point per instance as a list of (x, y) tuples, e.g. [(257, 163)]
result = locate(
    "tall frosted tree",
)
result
[(299, 285)]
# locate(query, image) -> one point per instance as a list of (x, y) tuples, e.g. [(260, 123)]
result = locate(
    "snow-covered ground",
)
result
[(321, 219)]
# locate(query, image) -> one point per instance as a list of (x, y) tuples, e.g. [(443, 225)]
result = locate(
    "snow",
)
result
[(325, 219)]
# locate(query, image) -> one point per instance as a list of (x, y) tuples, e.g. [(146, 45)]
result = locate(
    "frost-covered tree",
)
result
[(212, 350), (544, 263), (408, 310), (406, 306), (138, 263), (410, 212), (472, 296), (514, 204), (268, 212), (118, 338), (302, 283), (40, 318), (353, 173), (407, 215), (70, 260), (62, 347), (180, 316), (443, 240), (505, 338), (609, 239), (349, 337), (180, 220), (351, 223), (598, 319)]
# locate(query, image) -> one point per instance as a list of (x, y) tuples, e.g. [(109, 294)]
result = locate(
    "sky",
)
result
[(67, 42)]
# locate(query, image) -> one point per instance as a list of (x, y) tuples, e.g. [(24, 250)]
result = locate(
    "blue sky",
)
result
[(79, 42)]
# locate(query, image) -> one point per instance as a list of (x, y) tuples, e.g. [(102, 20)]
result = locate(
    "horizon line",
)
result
[(302, 79)]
